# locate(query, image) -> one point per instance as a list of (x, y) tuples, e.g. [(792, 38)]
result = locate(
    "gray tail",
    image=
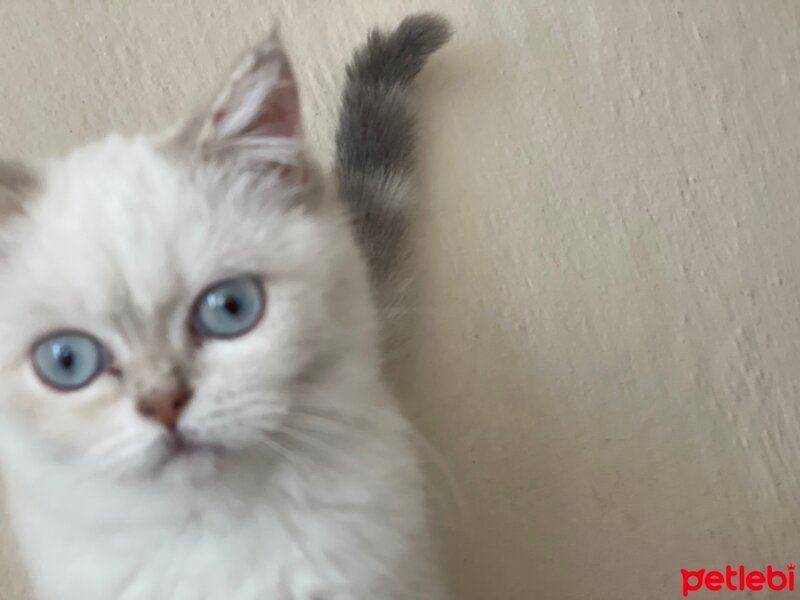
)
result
[(375, 137)]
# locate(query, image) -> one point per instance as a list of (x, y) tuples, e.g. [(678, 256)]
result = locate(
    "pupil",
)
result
[(65, 358), (231, 305)]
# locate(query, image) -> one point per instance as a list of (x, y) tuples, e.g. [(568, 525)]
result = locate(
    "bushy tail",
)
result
[(375, 137)]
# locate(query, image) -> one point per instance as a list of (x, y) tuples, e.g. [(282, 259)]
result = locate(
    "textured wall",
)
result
[(607, 323)]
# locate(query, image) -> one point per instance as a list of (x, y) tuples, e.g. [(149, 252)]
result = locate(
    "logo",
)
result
[(738, 580)]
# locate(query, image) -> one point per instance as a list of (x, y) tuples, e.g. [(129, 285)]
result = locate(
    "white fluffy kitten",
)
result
[(191, 400)]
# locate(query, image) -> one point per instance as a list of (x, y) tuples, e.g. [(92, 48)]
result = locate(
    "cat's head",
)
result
[(185, 291)]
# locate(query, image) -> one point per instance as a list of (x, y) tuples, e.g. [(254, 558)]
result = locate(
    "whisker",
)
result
[(304, 437), (110, 444), (429, 454), (267, 439), (252, 400)]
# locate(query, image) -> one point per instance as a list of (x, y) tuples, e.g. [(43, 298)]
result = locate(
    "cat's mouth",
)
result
[(178, 448)]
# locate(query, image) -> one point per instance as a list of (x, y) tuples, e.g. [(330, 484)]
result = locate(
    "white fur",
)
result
[(312, 490)]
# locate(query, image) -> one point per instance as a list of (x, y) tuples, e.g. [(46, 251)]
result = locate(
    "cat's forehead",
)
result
[(122, 182), (116, 209), (123, 219)]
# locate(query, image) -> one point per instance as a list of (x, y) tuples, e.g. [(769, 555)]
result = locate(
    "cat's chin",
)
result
[(176, 461), (186, 462)]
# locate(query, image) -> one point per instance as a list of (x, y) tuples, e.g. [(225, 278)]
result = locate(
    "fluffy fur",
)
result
[(302, 482)]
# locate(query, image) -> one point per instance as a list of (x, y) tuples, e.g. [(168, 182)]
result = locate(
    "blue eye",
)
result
[(68, 361), (229, 308)]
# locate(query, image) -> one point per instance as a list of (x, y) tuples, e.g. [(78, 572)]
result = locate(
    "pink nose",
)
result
[(165, 406)]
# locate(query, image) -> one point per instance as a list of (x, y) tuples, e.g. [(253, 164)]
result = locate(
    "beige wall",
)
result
[(606, 348)]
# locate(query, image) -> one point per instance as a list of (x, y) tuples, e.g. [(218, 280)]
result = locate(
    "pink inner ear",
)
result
[(280, 113), (261, 105)]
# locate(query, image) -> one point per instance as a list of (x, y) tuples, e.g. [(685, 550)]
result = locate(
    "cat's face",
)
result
[(126, 257)]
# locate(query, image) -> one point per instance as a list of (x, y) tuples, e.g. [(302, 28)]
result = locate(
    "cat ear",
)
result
[(255, 119), (17, 181)]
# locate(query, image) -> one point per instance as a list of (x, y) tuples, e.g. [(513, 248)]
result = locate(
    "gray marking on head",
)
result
[(17, 182)]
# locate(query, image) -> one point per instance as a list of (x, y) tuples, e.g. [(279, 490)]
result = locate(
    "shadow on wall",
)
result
[(475, 401)]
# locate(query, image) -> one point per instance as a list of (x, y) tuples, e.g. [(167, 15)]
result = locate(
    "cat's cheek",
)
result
[(22, 401), (72, 420), (91, 403)]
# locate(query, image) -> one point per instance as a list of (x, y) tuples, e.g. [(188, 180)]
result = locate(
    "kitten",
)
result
[(191, 400)]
